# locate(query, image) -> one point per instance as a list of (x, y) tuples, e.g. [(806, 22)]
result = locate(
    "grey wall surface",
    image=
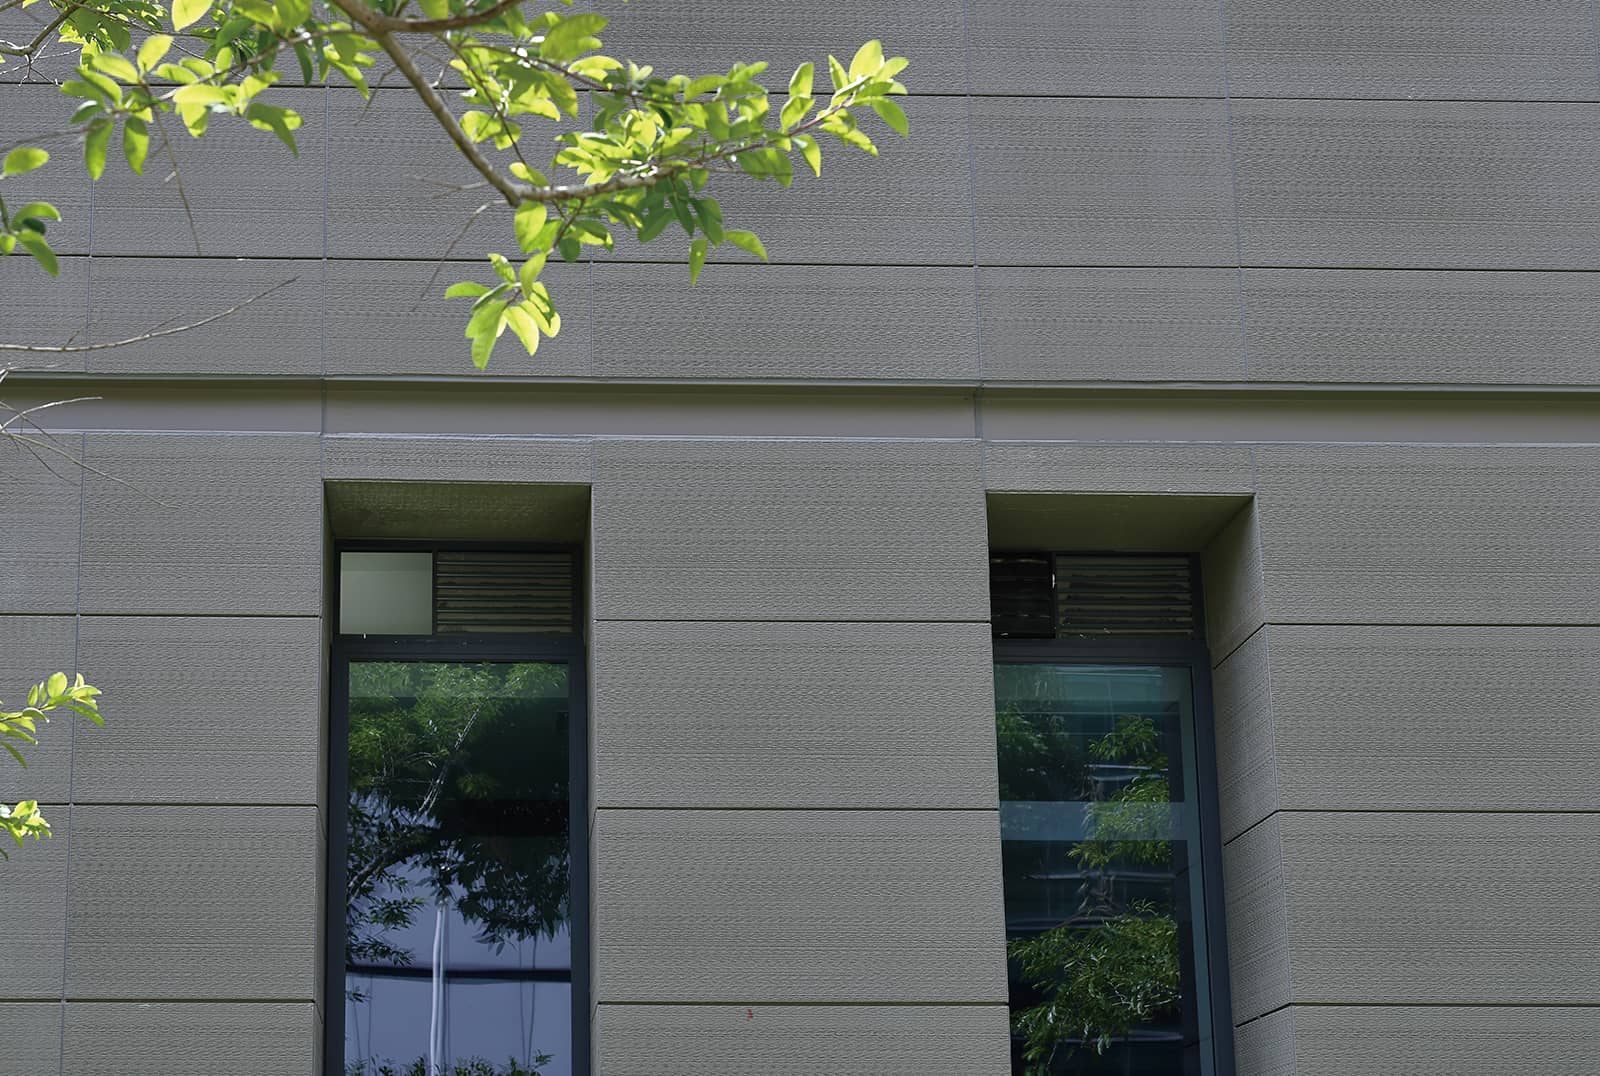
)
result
[(1142, 263)]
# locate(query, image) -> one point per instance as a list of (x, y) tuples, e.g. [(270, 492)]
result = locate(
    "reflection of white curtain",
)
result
[(436, 1015)]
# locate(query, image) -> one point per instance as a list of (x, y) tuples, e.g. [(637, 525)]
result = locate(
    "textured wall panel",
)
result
[(1230, 572), (702, 36), (1430, 534), (775, 1040), (42, 310), (1253, 884), (798, 907), (1418, 184), (31, 952), (1440, 718), (1441, 908), (1134, 183), (1427, 327), (207, 710), (789, 530), (33, 1032), (390, 317), (29, 114), (1065, 467), (1373, 1040), (907, 206), (1110, 324), (247, 195), (40, 525), (399, 189), (279, 334), (1247, 753), (195, 902), (203, 524), (1518, 49), (457, 459), (34, 647), (745, 321), (214, 1039), (1265, 1046), (793, 715), (1097, 48)]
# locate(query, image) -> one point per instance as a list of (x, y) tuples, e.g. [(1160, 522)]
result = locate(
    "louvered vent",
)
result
[(515, 593), (1068, 596)]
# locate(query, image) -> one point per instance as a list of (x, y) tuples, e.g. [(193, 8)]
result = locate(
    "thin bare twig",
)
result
[(166, 144), (439, 265), (152, 334)]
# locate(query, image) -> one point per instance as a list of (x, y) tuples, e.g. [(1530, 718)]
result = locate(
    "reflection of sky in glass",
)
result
[(481, 750)]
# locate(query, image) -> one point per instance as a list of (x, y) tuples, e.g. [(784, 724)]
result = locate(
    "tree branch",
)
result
[(33, 46), (152, 335)]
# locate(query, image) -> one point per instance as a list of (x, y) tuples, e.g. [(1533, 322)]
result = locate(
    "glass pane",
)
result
[(1102, 873), (457, 956), (385, 593)]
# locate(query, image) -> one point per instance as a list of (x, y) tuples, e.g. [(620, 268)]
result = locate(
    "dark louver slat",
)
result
[(1065, 596), (515, 593)]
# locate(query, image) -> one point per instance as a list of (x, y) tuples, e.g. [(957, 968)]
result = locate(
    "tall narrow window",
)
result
[(1107, 817), (457, 904)]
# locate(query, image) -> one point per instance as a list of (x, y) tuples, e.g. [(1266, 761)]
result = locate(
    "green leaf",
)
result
[(867, 60), (680, 209), (811, 152), (655, 222), (570, 248), (482, 348), (710, 214), (794, 110), (135, 143), (280, 121), (528, 222), (154, 49), (435, 9), (800, 81), (185, 12), (470, 289), (524, 326), (115, 65), (892, 114), (502, 266), (528, 175), (23, 159), (56, 684), (697, 259), (94, 147), (748, 241), (530, 271), (36, 211), (836, 72), (20, 762), (571, 37), (302, 56)]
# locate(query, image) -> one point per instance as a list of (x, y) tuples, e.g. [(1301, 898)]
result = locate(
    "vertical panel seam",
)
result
[(972, 214), (72, 748), (1233, 180), (327, 187), (1594, 23)]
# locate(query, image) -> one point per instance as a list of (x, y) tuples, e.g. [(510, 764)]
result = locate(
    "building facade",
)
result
[(1309, 293)]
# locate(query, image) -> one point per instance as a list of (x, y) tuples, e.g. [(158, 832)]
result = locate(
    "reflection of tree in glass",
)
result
[(457, 788), (1108, 968), (475, 1066)]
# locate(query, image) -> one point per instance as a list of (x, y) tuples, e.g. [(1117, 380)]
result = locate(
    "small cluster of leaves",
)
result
[(22, 726), (644, 162), (25, 225), (475, 1066)]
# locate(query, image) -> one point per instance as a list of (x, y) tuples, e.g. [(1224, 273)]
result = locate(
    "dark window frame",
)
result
[(477, 647), (1173, 652)]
